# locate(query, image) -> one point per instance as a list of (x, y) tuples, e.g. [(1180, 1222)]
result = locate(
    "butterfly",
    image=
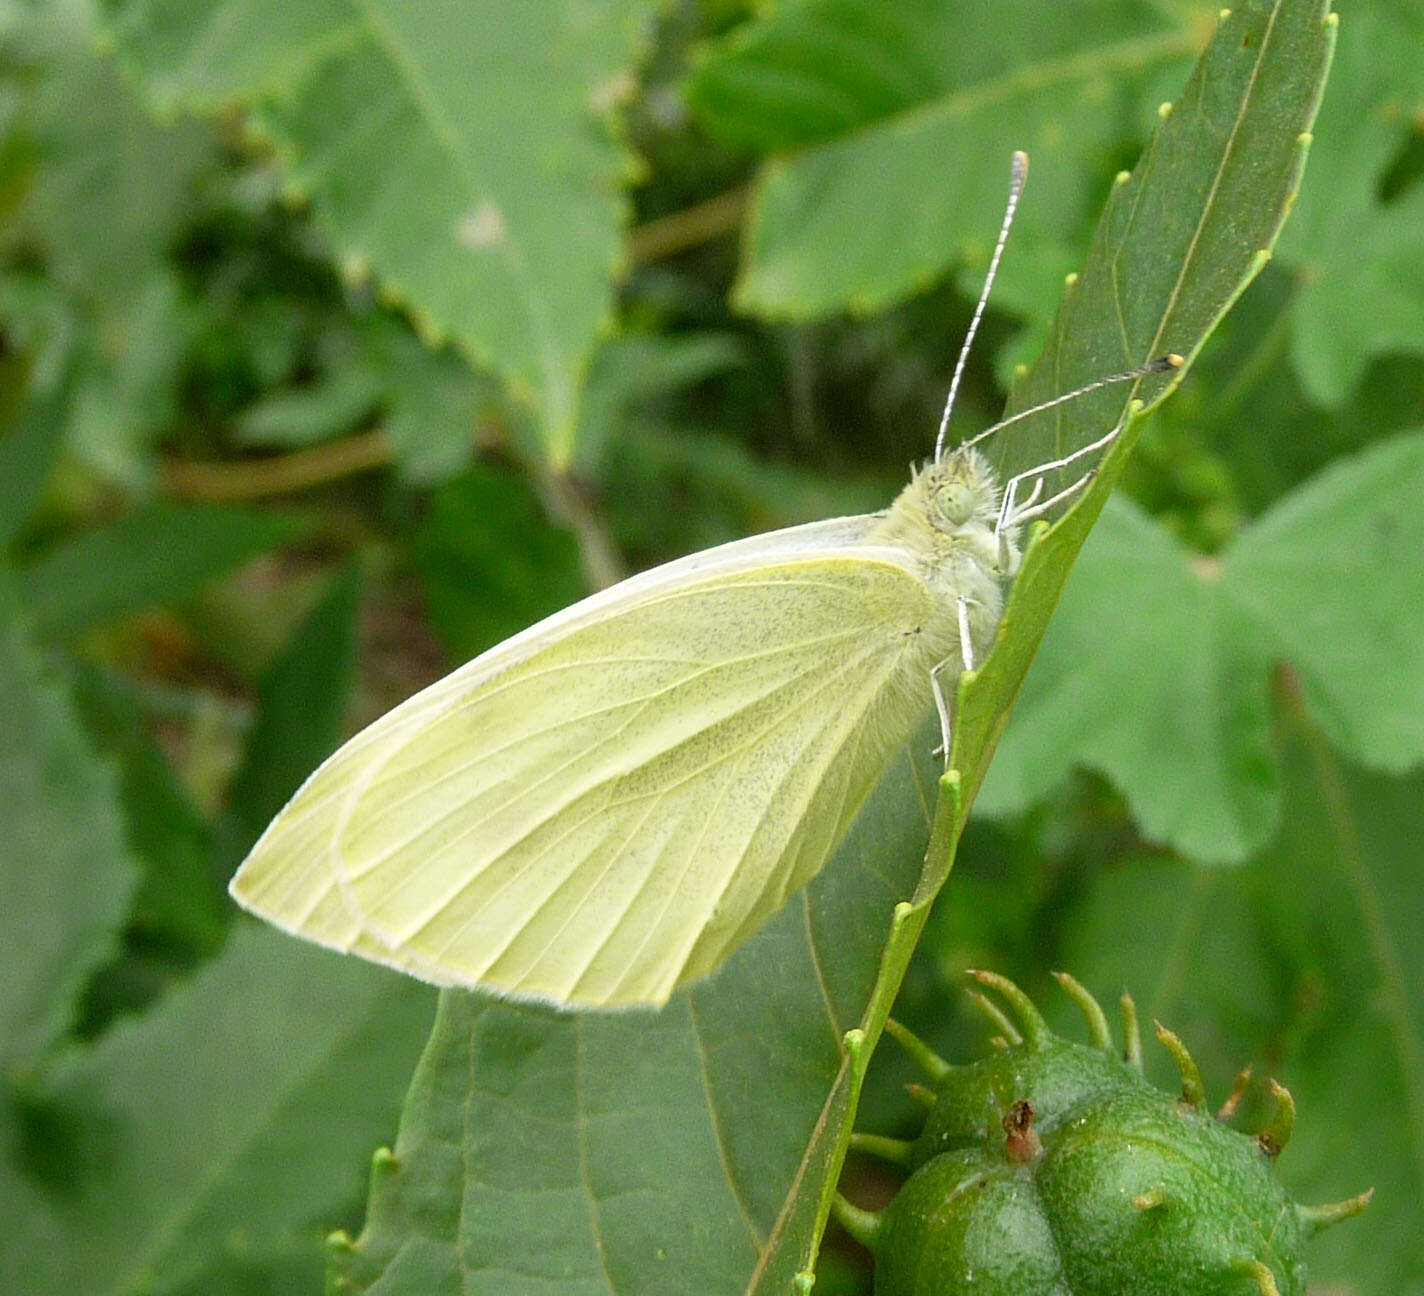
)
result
[(603, 807)]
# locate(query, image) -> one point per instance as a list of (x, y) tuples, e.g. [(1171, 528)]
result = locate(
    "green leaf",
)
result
[(226, 1129), (126, 379), (809, 72), (1354, 244), (301, 718), (180, 905), (432, 403), (114, 187), (1174, 708), (1234, 445), (527, 1154), (449, 148), (155, 556), (1363, 305), (109, 192), (635, 370), (299, 416), (29, 447), (428, 401), (64, 866), (931, 116), (1330, 571), (1306, 962)]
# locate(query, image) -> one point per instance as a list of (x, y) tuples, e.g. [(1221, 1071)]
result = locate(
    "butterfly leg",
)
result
[(965, 661), (966, 643), (1012, 514), (942, 706)]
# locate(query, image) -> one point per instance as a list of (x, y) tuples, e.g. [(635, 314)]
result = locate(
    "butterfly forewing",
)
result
[(602, 809)]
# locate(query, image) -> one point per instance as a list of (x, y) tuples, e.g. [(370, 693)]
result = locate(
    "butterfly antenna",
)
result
[(1017, 174), (1160, 365)]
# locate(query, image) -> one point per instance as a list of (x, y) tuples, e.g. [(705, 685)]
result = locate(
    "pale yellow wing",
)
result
[(601, 809)]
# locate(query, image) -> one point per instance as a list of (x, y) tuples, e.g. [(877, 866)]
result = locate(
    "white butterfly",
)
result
[(603, 807)]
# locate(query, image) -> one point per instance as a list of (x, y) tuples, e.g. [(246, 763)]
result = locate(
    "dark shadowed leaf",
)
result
[(301, 716), (226, 1129), (155, 556), (491, 560)]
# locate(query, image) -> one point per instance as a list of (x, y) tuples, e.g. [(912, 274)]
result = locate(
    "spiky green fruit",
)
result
[(1055, 1169)]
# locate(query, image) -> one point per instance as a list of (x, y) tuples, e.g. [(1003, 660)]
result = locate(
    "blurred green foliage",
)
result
[(339, 342)]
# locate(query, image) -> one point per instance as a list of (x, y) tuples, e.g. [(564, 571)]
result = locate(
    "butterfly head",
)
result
[(950, 507), (959, 491)]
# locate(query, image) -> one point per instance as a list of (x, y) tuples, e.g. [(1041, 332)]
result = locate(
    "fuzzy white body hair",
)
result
[(956, 558)]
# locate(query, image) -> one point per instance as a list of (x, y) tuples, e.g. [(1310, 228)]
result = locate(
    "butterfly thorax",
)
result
[(945, 518)]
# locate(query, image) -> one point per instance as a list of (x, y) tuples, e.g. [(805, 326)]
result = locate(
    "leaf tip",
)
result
[(383, 1162), (1193, 1090), (1227, 1110), (1258, 1271), (1278, 1129), (1316, 1218), (861, 1224)]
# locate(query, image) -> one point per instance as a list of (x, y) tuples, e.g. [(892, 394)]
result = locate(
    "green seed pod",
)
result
[(1055, 1169)]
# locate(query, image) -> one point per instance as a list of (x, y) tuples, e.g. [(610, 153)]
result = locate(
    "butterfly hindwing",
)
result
[(603, 813)]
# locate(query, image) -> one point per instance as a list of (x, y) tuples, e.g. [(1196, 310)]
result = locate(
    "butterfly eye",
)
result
[(955, 502)]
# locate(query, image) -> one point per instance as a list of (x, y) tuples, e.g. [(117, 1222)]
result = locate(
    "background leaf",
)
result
[(219, 1132), (300, 714), (108, 195), (1353, 243), (925, 103), (192, 313), (66, 870), (181, 902), (505, 231), (157, 554), (491, 561), (1189, 643)]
